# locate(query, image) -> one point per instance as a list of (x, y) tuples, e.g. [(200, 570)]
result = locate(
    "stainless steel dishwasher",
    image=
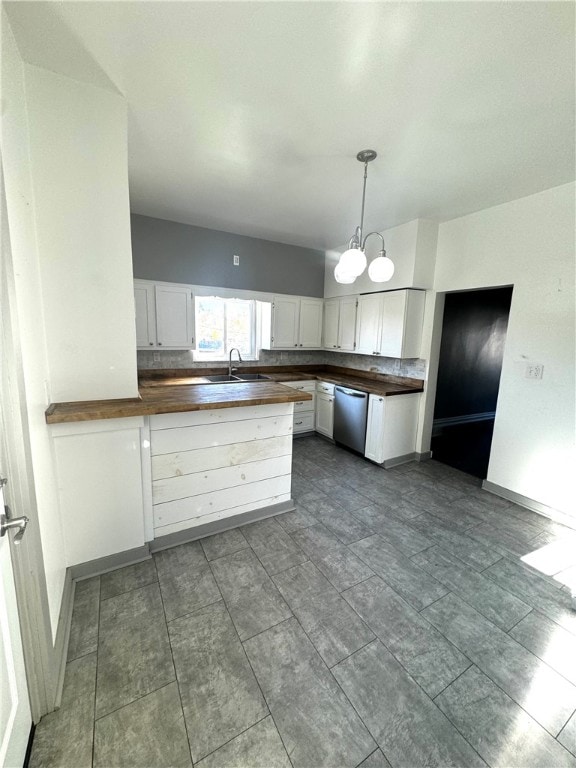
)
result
[(350, 416)]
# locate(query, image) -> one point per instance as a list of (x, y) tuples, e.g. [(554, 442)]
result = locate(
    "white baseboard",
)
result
[(219, 526), (535, 506), (60, 653), (129, 557)]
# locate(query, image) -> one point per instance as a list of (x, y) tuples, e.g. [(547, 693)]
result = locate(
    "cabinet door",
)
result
[(325, 414), (331, 314), (174, 317), (392, 323), (145, 315), (368, 324), (310, 333), (413, 322), (375, 429), (347, 324), (285, 316)]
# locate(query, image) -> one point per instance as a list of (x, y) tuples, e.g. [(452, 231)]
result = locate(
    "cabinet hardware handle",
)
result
[(298, 423), (300, 403), (159, 343), (151, 343), (295, 345)]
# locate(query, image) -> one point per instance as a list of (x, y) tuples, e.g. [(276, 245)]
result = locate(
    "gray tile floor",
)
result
[(394, 619)]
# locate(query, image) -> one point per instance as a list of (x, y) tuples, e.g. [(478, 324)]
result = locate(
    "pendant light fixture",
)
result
[(353, 261)]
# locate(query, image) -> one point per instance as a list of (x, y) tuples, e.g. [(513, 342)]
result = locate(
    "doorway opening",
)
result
[(469, 367)]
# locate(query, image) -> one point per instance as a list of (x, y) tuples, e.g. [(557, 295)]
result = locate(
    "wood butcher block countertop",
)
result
[(375, 384), (175, 399), (173, 391)]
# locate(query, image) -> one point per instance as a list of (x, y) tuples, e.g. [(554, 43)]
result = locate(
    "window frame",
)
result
[(204, 357)]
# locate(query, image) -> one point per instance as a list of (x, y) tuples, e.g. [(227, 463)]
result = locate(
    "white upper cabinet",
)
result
[(331, 315), (164, 316), (340, 323), (296, 322), (390, 324), (174, 316), (368, 324), (145, 315), (347, 323), (285, 320), (310, 332)]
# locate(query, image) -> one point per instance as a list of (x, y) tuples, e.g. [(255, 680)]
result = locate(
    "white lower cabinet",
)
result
[(99, 475), (304, 410), (391, 428), (325, 414)]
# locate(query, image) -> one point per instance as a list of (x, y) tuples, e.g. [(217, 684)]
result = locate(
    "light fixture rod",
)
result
[(363, 201), (365, 156)]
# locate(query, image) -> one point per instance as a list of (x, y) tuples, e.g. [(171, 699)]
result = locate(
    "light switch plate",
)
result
[(236, 260), (534, 370)]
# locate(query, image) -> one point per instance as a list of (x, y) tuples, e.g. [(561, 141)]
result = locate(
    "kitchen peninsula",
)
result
[(183, 460), (174, 464)]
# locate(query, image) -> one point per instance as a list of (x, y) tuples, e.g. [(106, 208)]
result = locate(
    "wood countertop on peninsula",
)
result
[(175, 399)]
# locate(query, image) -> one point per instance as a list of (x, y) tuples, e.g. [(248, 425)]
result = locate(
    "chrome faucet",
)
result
[(230, 369)]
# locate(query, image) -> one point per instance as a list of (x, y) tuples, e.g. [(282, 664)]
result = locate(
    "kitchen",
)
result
[(78, 255)]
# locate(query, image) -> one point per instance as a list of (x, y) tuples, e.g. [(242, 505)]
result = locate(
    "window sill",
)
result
[(226, 360)]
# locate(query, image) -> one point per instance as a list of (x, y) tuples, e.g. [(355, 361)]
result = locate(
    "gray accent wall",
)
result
[(182, 253)]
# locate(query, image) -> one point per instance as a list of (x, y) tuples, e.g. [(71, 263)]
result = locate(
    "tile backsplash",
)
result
[(412, 369)]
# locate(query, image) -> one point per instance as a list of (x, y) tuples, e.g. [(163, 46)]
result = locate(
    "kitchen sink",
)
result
[(222, 378), (253, 377)]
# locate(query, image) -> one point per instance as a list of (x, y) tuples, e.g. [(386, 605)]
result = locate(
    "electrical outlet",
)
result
[(534, 370), (236, 260), (156, 357)]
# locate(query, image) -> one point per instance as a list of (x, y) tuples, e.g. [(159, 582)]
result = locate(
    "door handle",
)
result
[(16, 522)]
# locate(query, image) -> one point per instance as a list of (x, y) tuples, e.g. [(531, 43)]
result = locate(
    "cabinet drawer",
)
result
[(306, 385), (325, 387), (305, 405), (303, 422)]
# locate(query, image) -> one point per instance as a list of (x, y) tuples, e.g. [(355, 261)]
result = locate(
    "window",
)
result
[(222, 324)]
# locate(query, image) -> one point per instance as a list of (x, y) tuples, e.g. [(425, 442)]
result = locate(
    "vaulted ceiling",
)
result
[(247, 116)]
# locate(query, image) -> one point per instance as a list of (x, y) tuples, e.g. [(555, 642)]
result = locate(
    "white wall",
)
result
[(29, 307), (64, 154), (412, 248), (530, 244), (78, 151)]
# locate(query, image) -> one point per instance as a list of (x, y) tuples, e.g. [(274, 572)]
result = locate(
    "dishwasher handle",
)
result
[(351, 392)]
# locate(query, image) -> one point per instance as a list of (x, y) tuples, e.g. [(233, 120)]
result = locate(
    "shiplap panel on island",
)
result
[(209, 465)]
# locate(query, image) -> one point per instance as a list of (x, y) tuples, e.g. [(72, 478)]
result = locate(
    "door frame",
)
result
[(40, 655), (431, 342)]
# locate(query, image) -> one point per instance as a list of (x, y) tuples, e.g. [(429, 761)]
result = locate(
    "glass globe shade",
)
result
[(353, 261), (341, 275), (381, 269)]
